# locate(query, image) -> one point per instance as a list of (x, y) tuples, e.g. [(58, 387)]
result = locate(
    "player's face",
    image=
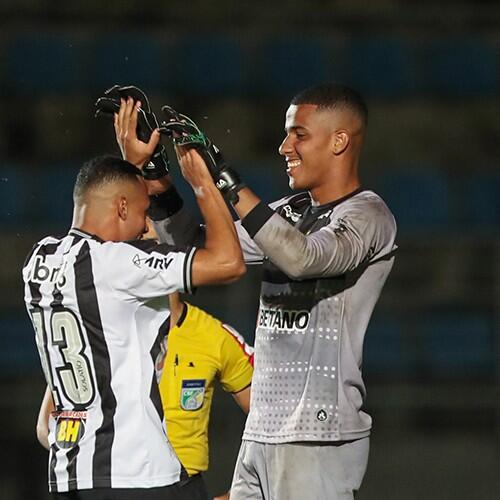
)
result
[(307, 147), (137, 204)]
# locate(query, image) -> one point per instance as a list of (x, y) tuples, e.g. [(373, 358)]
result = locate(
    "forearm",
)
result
[(174, 224), (180, 230), (246, 203), (324, 253), (158, 186), (243, 399), (42, 424), (221, 259)]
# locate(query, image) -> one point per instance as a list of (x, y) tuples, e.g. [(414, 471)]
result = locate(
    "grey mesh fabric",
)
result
[(307, 383), (323, 271)]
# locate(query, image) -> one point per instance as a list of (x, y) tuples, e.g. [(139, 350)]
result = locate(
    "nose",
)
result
[(286, 146)]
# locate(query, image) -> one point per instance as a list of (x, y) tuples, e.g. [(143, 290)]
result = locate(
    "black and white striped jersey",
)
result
[(98, 330)]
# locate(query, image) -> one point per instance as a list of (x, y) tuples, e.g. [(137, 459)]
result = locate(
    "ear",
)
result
[(123, 208), (341, 140)]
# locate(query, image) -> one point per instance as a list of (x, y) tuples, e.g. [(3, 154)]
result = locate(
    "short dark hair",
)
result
[(333, 96), (103, 170)]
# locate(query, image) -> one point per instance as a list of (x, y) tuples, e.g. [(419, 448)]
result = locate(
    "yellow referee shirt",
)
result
[(200, 350)]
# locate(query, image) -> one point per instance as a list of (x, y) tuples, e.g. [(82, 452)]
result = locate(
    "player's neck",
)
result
[(335, 189), (89, 222)]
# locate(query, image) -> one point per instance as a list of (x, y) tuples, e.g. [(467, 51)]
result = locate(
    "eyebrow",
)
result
[(294, 128)]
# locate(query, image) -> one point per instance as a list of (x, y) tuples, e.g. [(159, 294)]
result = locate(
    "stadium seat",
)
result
[(268, 180), (206, 66), (380, 66), (127, 58), (388, 349), (477, 199), (459, 67), (52, 203), (44, 62), (13, 196), (18, 352), (457, 344), (285, 66), (418, 197)]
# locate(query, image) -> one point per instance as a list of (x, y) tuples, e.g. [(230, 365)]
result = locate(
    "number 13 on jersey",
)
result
[(72, 367)]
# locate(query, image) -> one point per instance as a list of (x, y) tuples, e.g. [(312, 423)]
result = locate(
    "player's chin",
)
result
[(294, 183)]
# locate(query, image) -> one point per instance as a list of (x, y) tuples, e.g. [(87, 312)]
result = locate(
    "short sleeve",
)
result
[(145, 269), (236, 368)]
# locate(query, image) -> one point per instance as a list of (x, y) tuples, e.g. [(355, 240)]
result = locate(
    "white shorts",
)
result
[(299, 471)]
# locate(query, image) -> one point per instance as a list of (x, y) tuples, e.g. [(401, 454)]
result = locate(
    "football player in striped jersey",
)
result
[(90, 296)]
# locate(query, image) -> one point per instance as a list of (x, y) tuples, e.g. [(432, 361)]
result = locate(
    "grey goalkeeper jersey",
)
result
[(323, 270)]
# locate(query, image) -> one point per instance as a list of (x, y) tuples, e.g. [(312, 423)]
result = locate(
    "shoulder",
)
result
[(196, 321), (218, 335), (42, 246), (137, 250), (294, 201), (235, 345), (367, 205)]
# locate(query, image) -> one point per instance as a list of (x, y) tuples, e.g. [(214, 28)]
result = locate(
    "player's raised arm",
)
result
[(137, 135), (221, 258), (138, 139)]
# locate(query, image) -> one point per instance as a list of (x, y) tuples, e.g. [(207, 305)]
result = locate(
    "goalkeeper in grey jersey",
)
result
[(326, 253)]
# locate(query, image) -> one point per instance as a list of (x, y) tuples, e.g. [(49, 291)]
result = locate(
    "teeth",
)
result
[(293, 163)]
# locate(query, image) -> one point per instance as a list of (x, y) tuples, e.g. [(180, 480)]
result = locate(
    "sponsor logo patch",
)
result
[(290, 214), (42, 272), (280, 319), (192, 394), (152, 262), (70, 427)]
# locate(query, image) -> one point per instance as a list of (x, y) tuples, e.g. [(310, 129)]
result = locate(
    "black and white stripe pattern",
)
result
[(98, 336), (89, 309)]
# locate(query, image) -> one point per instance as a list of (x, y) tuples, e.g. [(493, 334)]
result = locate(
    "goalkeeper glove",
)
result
[(109, 104), (185, 132)]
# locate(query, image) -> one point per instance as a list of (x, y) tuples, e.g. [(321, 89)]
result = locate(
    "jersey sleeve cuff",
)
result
[(188, 271), (256, 218)]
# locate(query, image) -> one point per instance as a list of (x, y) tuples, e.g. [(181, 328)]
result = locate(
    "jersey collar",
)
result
[(334, 203), (83, 234)]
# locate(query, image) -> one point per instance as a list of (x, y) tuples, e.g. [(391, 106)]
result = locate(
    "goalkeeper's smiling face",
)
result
[(309, 146)]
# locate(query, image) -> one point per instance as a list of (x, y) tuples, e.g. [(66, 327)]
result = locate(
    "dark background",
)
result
[(431, 76)]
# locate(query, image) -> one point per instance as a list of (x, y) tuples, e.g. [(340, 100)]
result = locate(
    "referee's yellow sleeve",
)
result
[(236, 359)]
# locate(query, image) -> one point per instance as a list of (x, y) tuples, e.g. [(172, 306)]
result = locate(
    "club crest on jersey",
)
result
[(70, 428), (341, 226), (283, 319), (290, 214), (321, 415), (151, 261), (192, 394)]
